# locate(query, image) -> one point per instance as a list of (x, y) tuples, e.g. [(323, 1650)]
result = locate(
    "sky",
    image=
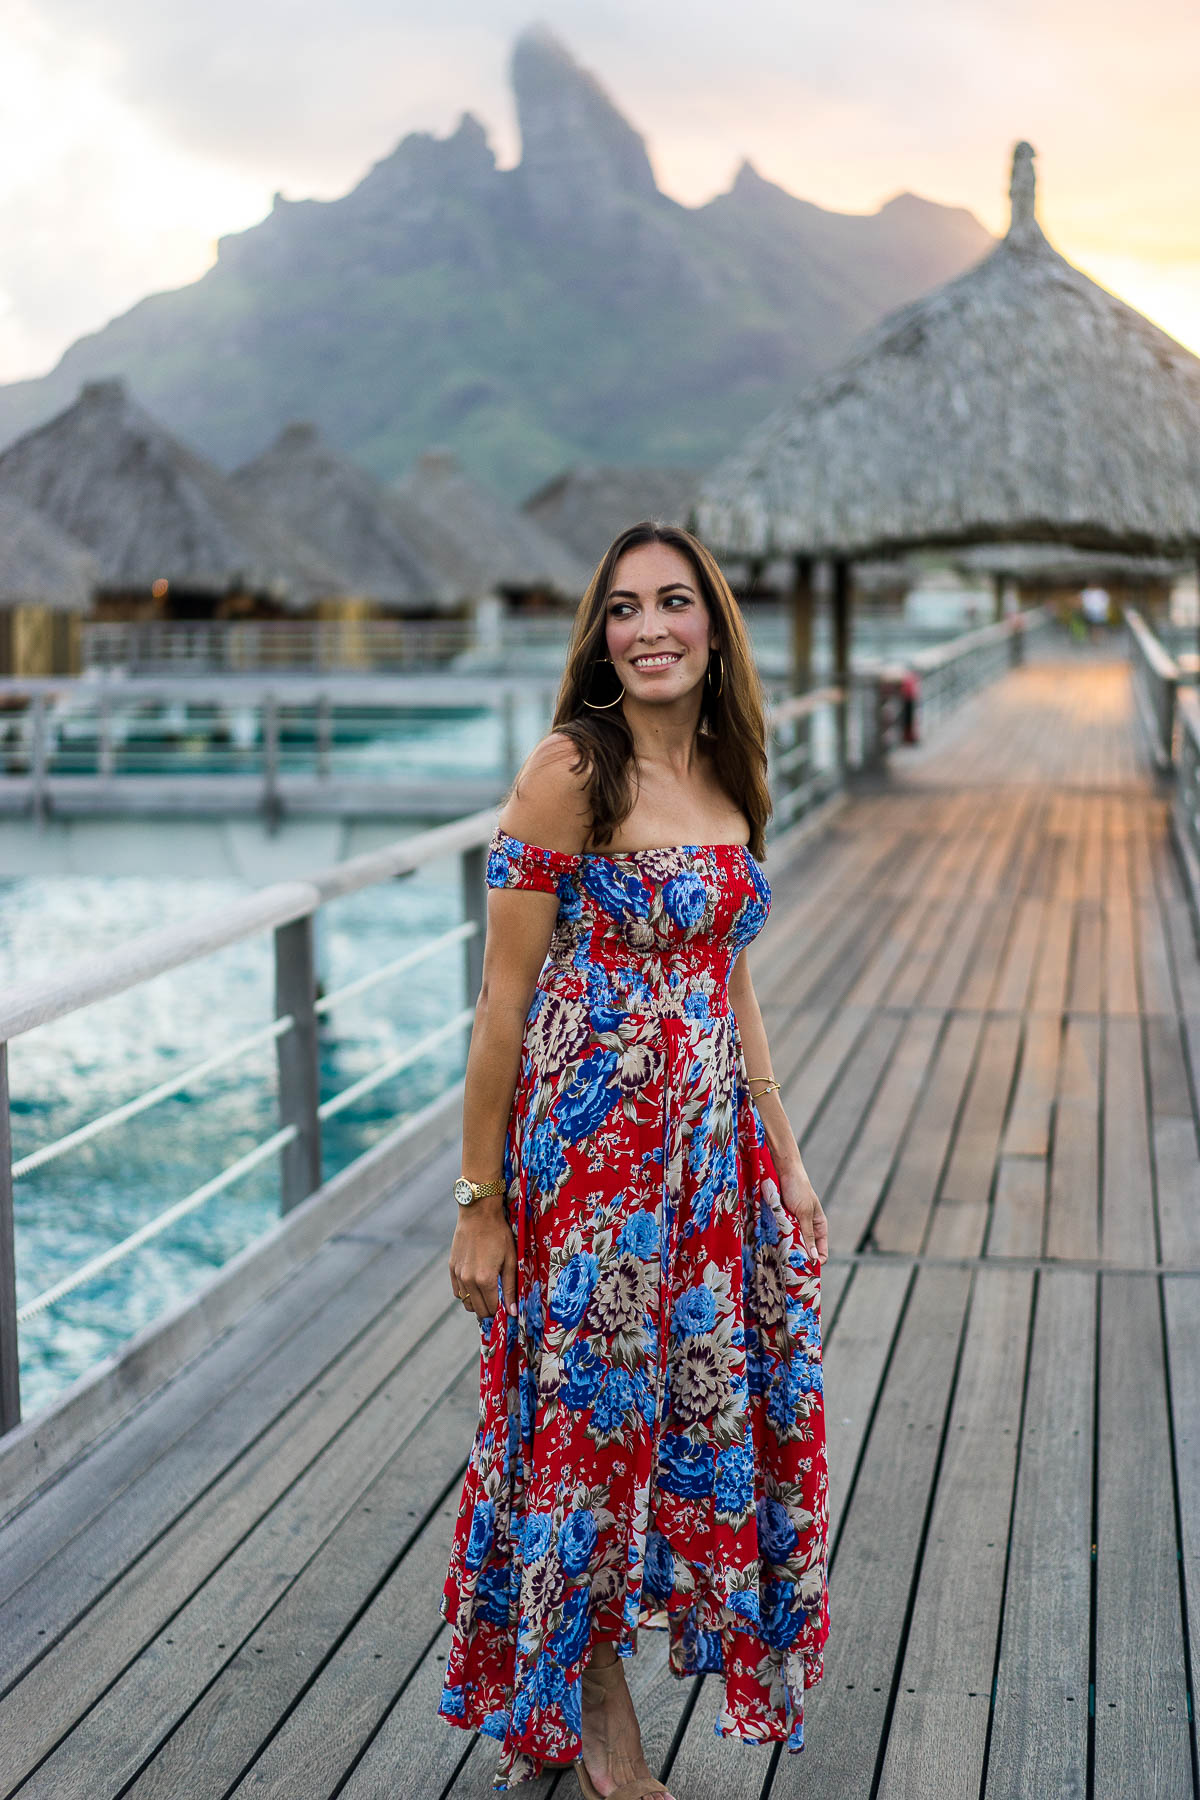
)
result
[(133, 133)]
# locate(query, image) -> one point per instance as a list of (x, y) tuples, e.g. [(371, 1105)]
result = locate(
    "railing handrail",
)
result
[(81, 984), (998, 631), (1159, 658), (289, 686), (1187, 704)]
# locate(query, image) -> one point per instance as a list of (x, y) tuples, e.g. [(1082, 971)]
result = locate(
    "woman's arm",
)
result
[(797, 1191), (546, 807)]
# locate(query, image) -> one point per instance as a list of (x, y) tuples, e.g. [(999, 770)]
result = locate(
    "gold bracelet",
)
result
[(771, 1085)]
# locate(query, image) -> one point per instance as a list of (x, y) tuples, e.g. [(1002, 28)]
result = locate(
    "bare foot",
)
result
[(612, 1739)]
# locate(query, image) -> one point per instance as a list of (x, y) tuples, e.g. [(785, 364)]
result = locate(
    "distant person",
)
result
[(1094, 603), (638, 1237)]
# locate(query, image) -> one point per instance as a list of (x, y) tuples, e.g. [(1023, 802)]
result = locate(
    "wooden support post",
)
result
[(474, 901), (10, 1354), (840, 603), (272, 807), (997, 596), (297, 1061), (801, 623)]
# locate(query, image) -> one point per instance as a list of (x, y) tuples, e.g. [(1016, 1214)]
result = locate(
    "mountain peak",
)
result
[(577, 150)]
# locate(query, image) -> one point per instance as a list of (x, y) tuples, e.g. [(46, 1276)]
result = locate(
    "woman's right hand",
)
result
[(483, 1258)]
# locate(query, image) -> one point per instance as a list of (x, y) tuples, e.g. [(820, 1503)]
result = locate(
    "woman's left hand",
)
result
[(800, 1198)]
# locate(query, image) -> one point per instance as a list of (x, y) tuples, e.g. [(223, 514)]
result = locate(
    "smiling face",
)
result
[(658, 630)]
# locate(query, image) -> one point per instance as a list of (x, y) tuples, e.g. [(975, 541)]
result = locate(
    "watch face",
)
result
[(463, 1192)]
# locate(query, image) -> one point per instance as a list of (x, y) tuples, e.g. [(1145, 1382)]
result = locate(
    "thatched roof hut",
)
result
[(1020, 401), (585, 507), (362, 526), (152, 510), (39, 564), (478, 536)]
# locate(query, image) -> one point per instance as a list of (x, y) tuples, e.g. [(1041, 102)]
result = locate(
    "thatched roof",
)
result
[(152, 509), (482, 537), (39, 564), (1019, 401), (586, 507), (345, 513), (1062, 565)]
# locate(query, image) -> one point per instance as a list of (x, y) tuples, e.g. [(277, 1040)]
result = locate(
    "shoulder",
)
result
[(548, 803)]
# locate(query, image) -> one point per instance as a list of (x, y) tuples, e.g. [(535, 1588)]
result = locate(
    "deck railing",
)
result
[(1185, 809), (949, 673), (1155, 675)]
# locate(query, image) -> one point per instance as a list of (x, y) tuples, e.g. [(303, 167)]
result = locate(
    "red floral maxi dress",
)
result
[(651, 1440)]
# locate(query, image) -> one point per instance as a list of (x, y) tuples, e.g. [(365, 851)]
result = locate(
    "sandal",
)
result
[(642, 1787)]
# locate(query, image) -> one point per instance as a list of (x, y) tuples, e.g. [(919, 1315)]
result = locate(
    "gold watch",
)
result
[(467, 1192)]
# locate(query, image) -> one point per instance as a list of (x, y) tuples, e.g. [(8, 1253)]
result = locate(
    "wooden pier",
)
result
[(983, 993)]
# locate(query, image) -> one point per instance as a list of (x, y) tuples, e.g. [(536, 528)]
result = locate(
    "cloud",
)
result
[(138, 132)]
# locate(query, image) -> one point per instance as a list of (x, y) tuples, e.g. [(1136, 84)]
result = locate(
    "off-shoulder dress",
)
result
[(651, 1442)]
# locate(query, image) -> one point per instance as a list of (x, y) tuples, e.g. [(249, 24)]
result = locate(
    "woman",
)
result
[(644, 1256)]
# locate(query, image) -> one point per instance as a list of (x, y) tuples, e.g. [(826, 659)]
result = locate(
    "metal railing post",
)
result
[(297, 1061), (270, 753), (37, 758), (324, 736), (10, 1355), (473, 864), (104, 748)]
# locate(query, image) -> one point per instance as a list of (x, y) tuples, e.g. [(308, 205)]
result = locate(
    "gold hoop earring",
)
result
[(708, 676), (603, 705)]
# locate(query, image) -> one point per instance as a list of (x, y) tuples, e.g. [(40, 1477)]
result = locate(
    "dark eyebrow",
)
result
[(625, 594)]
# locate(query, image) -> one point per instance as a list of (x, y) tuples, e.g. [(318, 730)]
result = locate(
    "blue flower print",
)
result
[(577, 1536), (535, 1540), (762, 886), (613, 1401), (612, 889), (684, 1468), (776, 1533), (491, 1595), (549, 1680), (780, 1623), (697, 1006), (495, 1725), (545, 1159), (453, 1703), (640, 1235), (568, 1643), (588, 1097), (573, 1289), (684, 898), (584, 1371), (522, 1705), (528, 1403), (570, 904), (483, 1526), (659, 1575), (734, 1487), (572, 1705), (768, 1227), (533, 1315), (498, 869), (744, 1602), (695, 1312), (750, 919), (783, 1396)]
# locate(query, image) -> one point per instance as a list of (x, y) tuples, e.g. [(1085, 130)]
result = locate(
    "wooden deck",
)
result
[(984, 998)]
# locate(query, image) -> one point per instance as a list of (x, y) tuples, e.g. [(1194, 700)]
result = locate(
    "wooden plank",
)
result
[(1019, 1208), (1040, 1723), (902, 1218), (840, 1121), (1027, 1128), (311, 1662), (938, 1729), (876, 1555), (146, 1507), (958, 1223), (854, 1360), (1176, 1147), (1073, 1224), (1127, 1224), (218, 1565), (1084, 988), (1014, 976), (1181, 1311), (854, 1195), (1142, 1736), (1049, 993), (805, 1094)]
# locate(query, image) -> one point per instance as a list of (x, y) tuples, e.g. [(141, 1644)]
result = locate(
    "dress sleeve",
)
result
[(512, 864)]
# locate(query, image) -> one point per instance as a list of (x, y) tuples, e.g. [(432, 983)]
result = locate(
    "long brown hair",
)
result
[(731, 720)]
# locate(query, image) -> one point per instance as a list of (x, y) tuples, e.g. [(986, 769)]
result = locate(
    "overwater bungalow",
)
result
[(172, 537), (46, 585), (487, 543), (1020, 403), (359, 524), (586, 506)]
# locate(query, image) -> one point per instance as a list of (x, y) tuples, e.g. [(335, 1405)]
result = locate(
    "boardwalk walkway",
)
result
[(984, 998)]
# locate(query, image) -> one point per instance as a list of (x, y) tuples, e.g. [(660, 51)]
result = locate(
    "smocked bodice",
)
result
[(642, 930)]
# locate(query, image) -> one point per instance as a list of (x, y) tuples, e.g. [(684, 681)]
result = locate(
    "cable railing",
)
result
[(288, 910)]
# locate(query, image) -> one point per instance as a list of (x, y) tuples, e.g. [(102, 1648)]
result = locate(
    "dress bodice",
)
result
[(642, 930)]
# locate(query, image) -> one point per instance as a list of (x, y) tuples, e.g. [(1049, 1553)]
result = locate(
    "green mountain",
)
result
[(559, 311)]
